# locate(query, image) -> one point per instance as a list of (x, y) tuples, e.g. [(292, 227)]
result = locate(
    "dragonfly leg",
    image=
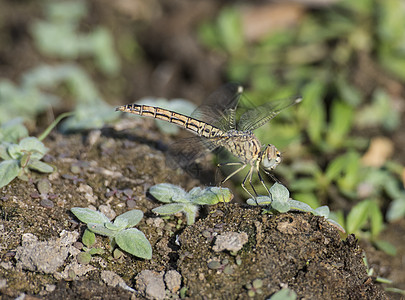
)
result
[(234, 172), (262, 181), (274, 178), (249, 175)]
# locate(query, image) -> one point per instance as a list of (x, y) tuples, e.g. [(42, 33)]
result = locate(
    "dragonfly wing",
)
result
[(219, 108), (185, 152), (258, 116)]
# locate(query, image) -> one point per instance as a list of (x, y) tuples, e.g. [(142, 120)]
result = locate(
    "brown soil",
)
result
[(297, 250)]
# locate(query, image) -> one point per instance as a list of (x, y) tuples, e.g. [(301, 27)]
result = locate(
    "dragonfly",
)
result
[(217, 125)]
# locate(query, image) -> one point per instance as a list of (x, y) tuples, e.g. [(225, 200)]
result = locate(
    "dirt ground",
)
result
[(294, 250)]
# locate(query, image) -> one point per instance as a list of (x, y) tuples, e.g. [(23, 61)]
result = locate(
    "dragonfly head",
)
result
[(271, 157)]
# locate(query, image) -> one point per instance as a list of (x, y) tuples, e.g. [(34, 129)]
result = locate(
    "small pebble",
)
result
[(131, 203), (46, 203)]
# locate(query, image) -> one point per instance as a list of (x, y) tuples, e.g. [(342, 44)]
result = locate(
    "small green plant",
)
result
[(280, 202), (120, 232), (59, 36), (284, 294), (22, 153), (255, 288), (88, 239), (179, 200)]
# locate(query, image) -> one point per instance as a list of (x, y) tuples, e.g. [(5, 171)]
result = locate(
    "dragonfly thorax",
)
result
[(270, 157), (242, 144)]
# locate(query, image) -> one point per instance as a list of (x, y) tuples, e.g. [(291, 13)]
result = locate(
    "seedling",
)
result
[(120, 232), (281, 202), (284, 294), (180, 201), (19, 158), (88, 239)]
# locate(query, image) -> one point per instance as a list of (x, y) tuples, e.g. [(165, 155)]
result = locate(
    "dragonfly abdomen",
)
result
[(198, 127)]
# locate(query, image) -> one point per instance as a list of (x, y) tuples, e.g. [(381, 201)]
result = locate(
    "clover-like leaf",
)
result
[(83, 258), (88, 238), (168, 209), (33, 145), (116, 226), (322, 211), (13, 130), (102, 229), (211, 196), (301, 206), (131, 217), (134, 242), (4, 151), (9, 170), (280, 206), (14, 151), (87, 215), (279, 192), (164, 192), (40, 166), (260, 200)]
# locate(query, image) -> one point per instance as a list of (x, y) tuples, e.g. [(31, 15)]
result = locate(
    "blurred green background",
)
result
[(343, 146)]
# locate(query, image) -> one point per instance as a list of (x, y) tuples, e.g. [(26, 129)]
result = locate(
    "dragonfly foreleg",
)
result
[(274, 178)]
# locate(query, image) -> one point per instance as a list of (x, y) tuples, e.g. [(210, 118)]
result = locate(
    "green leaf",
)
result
[(33, 145), (9, 170), (260, 200), (279, 193), (284, 294), (83, 258), (341, 123), (164, 192), (357, 217), (121, 224), (376, 219), (210, 196), (223, 194), (336, 167), (387, 247), (280, 206), (230, 30), (134, 242), (13, 130), (301, 206), (40, 166), (4, 151), (101, 229), (14, 151), (131, 217), (168, 209), (87, 215), (94, 251), (396, 209), (88, 238), (314, 106), (322, 211)]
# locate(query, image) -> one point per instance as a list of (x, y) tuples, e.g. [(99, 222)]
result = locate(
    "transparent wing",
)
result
[(219, 108), (258, 116), (185, 151)]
